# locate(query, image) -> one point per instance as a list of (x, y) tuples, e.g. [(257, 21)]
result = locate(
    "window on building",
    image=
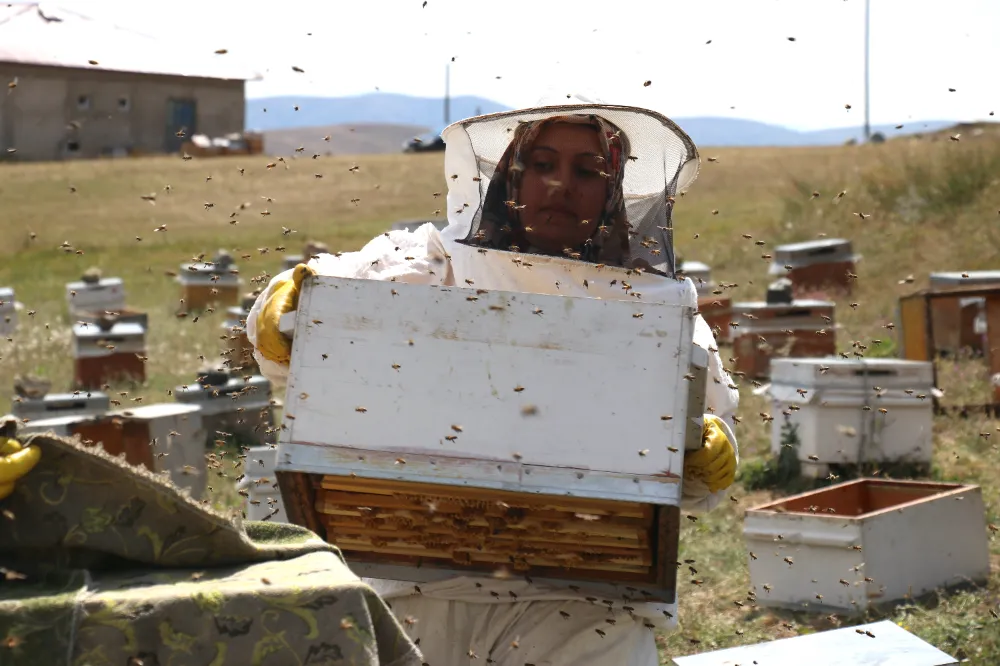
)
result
[(124, 104), (83, 102)]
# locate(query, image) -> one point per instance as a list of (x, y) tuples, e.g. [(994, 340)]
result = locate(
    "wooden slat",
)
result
[(514, 499)]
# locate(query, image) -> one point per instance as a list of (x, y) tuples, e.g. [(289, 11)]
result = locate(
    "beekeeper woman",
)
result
[(536, 198)]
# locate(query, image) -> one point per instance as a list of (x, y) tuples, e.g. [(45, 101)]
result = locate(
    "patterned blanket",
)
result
[(102, 564)]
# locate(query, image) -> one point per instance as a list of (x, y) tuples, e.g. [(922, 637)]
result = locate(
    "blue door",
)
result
[(181, 115)]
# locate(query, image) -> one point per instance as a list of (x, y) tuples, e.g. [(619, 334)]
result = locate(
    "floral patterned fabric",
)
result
[(102, 563)]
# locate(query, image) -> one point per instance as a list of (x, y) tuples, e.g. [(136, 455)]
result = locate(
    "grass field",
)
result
[(926, 206)]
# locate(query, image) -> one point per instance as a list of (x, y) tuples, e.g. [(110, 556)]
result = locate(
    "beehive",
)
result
[(866, 541), (107, 293), (234, 405), (106, 356), (8, 312), (125, 316), (238, 351), (816, 268), (800, 329), (432, 431), (883, 643), (700, 274), (259, 486), (959, 323), (161, 437), (836, 407), (205, 284), (60, 404)]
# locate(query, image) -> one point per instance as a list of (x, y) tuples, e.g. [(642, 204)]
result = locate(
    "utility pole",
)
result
[(868, 125), (447, 95)]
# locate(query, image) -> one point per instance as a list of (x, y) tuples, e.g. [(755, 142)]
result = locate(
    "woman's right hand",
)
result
[(284, 298)]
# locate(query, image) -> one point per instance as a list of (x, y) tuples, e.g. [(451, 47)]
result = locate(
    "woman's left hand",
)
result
[(714, 464)]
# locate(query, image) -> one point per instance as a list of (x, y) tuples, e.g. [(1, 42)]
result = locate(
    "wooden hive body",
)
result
[(794, 330), (434, 430)]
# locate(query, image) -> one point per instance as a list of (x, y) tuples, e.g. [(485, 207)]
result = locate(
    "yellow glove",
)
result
[(714, 463), (271, 342), (15, 462)]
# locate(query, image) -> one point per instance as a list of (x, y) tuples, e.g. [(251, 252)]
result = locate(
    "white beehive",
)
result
[(165, 437), (291, 261), (865, 542), (470, 395), (122, 338), (700, 274), (239, 406), (809, 253), (263, 498), (60, 404), (8, 312), (882, 643), (835, 405), (107, 294)]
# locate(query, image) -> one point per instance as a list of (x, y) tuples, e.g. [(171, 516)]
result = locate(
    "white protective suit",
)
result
[(459, 615)]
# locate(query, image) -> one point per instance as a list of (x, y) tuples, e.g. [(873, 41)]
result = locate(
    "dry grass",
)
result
[(927, 206)]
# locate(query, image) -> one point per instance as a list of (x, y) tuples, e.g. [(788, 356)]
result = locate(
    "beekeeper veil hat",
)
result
[(662, 161)]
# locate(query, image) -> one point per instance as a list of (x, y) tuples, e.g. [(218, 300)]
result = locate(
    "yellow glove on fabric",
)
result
[(271, 342), (15, 462), (714, 463)]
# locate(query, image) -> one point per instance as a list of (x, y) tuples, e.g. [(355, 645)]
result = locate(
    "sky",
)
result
[(723, 58)]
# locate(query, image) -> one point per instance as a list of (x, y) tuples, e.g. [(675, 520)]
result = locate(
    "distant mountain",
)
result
[(427, 114), (271, 113)]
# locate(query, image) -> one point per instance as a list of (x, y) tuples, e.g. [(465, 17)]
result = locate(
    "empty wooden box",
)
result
[(882, 643), (816, 268), (206, 284), (8, 312), (107, 356), (865, 542), (237, 406), (849, 411), (959, 323), (165, 437), (435, 431), (800, 329), (60, 404), (107, 293)]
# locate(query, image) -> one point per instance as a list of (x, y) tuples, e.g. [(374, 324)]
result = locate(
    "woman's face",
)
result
[(563, 188)]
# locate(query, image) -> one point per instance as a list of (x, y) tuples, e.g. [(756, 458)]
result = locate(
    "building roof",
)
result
[(45, 35)]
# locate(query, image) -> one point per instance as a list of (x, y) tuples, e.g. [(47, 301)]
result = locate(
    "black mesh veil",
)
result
[(663, 162)]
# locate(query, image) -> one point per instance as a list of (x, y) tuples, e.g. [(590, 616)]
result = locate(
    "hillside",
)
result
[(354, 139), (279, 113), (911, 207)]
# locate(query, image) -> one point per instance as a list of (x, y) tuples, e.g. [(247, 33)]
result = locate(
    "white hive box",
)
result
[(106, 356), (261, 486), (107, 294), (907, 537), (8, 312), (61, 404), (165, 437), (700, 274), (233, 407), (891, 646), (535, 399), (830, 413), (291, 261)]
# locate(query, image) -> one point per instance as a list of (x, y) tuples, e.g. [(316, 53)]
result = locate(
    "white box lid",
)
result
[(90, 332), (955, 279)]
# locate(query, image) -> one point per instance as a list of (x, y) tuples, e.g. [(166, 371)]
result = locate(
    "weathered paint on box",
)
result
[(876, 644), (836, 406), (865, 542)]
